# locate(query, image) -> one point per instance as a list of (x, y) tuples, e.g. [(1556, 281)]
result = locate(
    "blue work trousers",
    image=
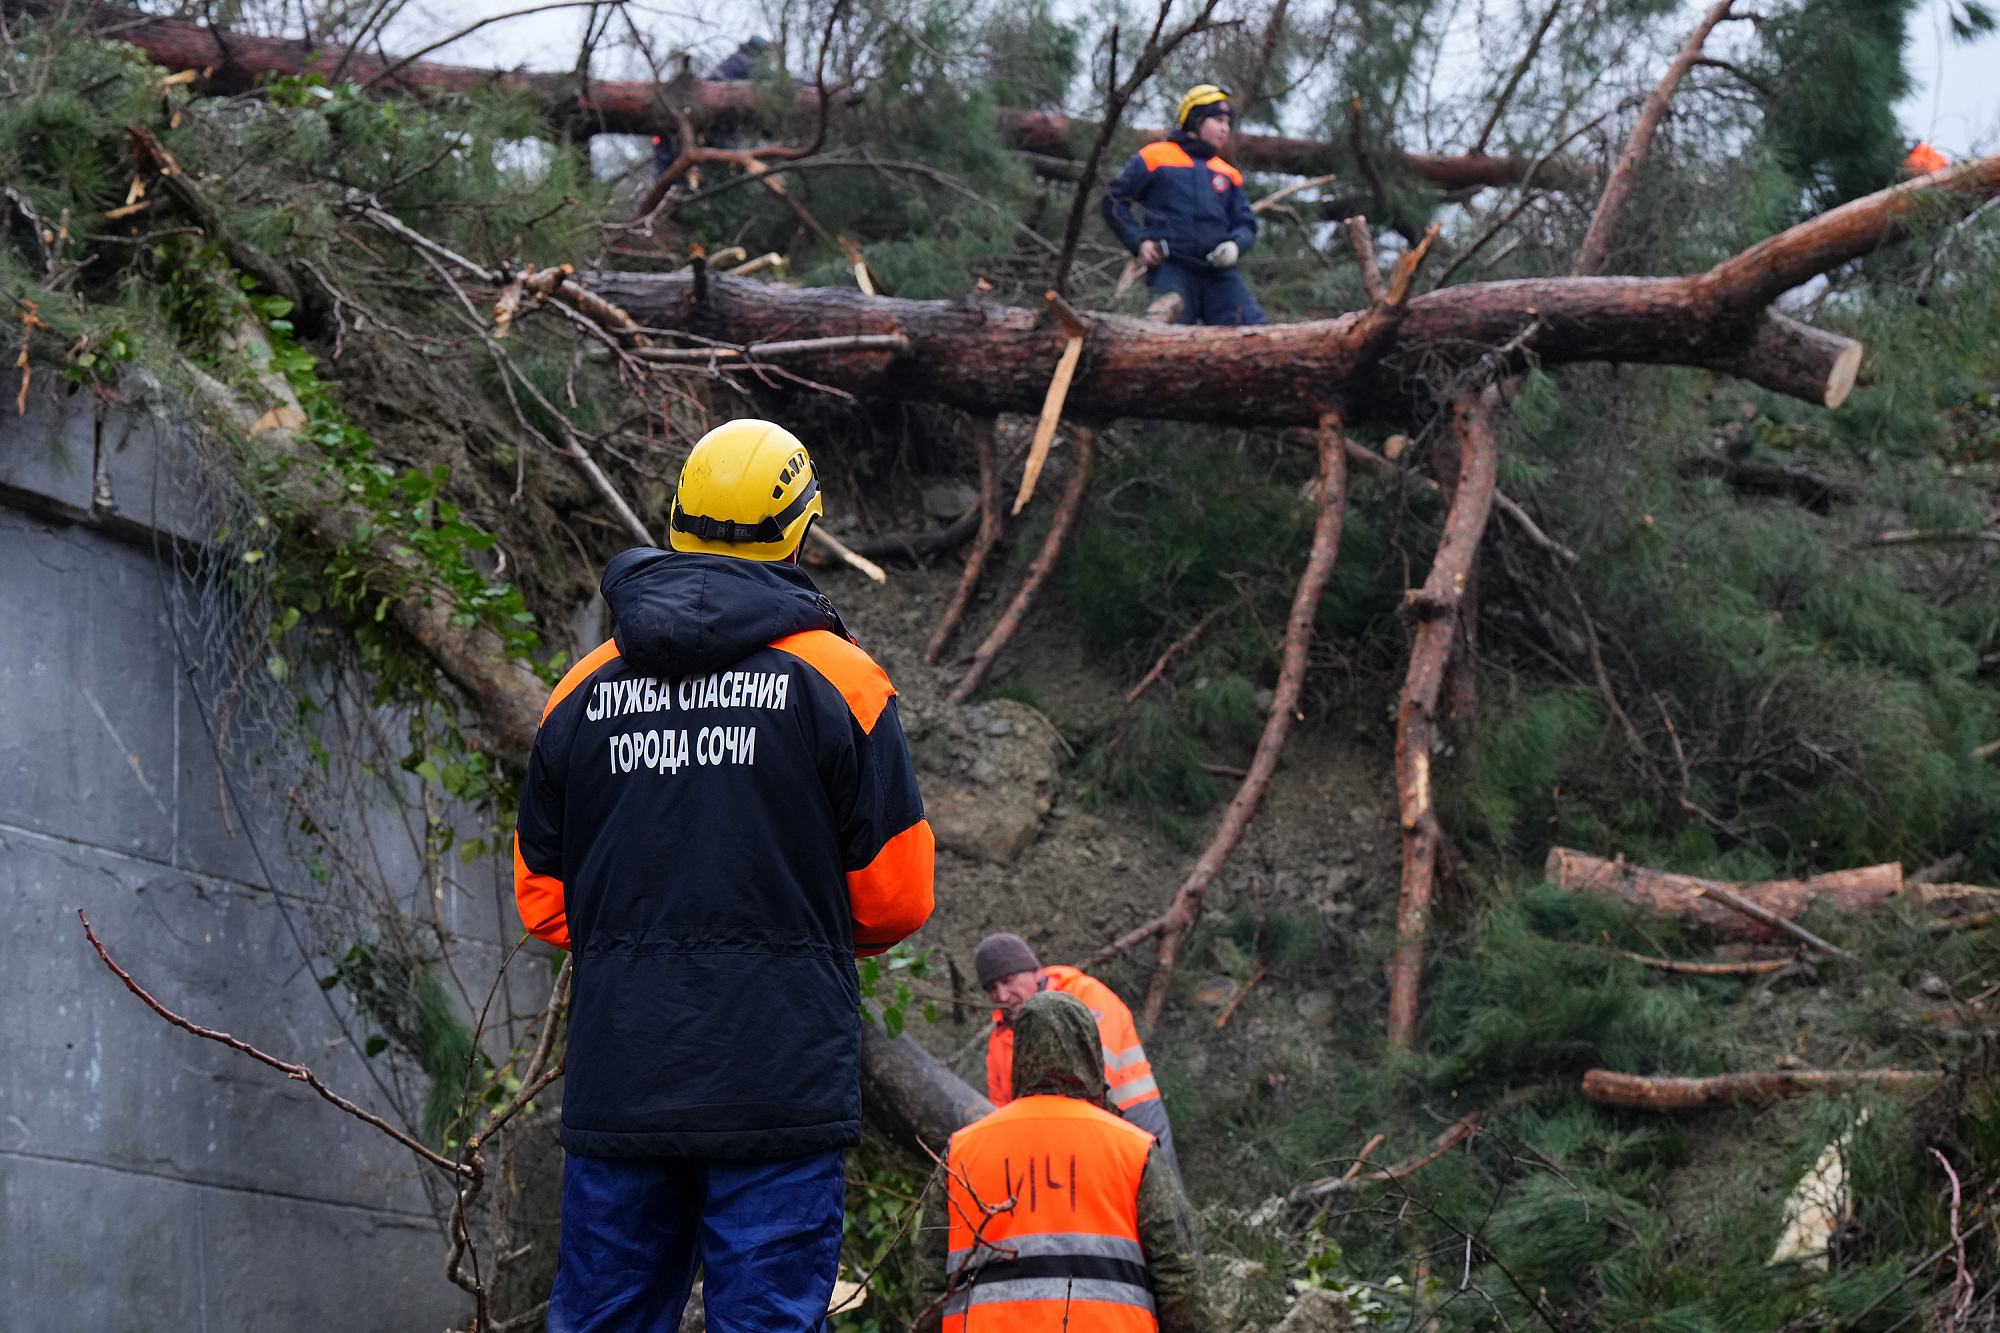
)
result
[(766, 1235), (1208, 295)]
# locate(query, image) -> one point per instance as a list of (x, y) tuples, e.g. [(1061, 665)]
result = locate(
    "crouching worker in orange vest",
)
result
[(1009, 973), (1058, 1215)]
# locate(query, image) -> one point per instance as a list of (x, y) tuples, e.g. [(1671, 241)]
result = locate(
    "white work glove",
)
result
[(1223, 256)]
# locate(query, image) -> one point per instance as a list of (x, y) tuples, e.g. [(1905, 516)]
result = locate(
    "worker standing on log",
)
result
[(1010, 974), (1198, 220), (1057, 1214), (719, 814)]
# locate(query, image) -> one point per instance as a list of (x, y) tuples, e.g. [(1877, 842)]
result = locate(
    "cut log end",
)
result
[(1840, 380)]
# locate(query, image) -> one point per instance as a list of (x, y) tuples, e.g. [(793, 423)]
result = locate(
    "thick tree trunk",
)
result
[(989, 359), (1691, 1094), (1686, 897), (1437, 606), (909, 1094)]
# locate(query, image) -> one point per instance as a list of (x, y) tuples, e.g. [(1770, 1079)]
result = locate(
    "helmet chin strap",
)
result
[(800, 549)]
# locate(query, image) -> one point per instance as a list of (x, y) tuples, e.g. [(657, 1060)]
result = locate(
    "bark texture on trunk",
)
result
[(1690, 1094), (1437, 606), (988, 359), (910, 1095), (1686, 897)]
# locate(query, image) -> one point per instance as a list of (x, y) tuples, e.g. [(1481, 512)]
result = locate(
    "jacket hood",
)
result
[(1057, 1052), (1193, 145), (685, 614)]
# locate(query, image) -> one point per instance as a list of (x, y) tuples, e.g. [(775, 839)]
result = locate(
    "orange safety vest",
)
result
[(1126, 1068), (1059, 1252)]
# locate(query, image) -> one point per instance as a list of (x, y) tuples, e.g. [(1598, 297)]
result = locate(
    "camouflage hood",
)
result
[(1057, 1052)]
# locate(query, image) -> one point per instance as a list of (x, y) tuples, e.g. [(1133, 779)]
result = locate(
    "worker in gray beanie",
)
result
[(1009, 973)]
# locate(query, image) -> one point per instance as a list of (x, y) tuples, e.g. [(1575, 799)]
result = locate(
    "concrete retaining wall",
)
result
[(148, 1179)]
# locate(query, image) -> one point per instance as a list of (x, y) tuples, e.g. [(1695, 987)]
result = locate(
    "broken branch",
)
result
[(1038, 572), (1182, 913), (1416, 716)]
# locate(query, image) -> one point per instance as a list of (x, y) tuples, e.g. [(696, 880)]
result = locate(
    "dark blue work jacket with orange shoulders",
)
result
[(1194, 201), (719, 814)]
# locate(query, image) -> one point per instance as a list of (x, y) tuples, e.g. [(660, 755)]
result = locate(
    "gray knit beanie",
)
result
[(1002, 955)]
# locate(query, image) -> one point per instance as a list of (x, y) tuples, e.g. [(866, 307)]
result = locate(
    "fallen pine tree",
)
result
[(229, 63)]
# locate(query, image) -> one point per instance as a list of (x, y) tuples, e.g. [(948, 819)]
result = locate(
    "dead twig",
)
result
[(1736, 902), (1222, 1020), (285, 1067)]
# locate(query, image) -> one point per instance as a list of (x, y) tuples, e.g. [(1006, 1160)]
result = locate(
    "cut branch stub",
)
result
[(1473, 421)]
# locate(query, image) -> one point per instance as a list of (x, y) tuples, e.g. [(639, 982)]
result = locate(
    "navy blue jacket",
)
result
[(1194, 201), (719, 814)]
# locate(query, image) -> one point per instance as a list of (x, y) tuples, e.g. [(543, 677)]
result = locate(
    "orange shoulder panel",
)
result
[(1164, 153), (540, 898), (1217, 164), (854, 673), (579, 673), (892, 896), (1000, 1063)]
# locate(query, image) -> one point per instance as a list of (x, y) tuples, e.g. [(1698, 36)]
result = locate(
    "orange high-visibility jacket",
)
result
[(1060, 1251), (1125, 1066)]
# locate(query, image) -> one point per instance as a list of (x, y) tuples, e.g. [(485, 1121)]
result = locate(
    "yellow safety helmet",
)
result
[(747, 490), (1205, 94)]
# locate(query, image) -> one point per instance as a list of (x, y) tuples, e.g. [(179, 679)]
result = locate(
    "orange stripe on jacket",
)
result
[(1164, 154), (854, 673), (597, 657), (892, 895), (540, 898)]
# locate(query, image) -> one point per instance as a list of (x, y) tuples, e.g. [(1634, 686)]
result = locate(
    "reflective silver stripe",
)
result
[(1127, 1093), (1073, 1290), (1134, 1056), (1052, 1242)]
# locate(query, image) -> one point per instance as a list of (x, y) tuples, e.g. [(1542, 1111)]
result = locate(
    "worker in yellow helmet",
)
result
[(719, 815), (1198, 222)]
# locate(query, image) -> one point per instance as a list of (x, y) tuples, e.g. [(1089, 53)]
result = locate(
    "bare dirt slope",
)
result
[(1320, 857)]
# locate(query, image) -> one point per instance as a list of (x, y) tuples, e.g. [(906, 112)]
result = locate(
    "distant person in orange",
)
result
[(1010, 973), (1924, 159)]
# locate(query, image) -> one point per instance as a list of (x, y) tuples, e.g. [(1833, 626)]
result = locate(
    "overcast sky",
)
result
[(1955, 106)]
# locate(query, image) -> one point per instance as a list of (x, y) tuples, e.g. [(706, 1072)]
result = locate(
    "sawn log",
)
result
[(1684, 897), (1687, 1094)]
